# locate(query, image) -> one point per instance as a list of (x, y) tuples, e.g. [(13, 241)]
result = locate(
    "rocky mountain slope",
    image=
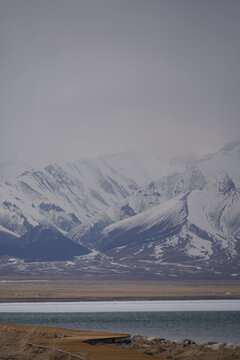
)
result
[(184, 224), (68, 194)]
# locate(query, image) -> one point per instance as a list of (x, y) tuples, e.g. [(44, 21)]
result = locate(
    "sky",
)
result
[(80, 78)]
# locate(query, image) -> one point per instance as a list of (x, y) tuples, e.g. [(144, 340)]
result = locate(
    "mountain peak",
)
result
[(226, 185)]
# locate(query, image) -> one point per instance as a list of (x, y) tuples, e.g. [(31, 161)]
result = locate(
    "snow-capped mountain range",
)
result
[(136, 214)]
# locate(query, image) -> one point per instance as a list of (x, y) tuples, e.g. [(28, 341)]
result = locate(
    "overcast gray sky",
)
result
[(85, 77)]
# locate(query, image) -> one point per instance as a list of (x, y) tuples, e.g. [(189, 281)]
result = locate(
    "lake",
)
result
[(195, 319)]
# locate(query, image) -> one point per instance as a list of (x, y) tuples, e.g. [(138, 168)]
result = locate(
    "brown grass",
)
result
[(69, 290), (19, 342), (16, 344)]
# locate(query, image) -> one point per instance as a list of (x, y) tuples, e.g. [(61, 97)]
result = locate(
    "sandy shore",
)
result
[(20, 342)]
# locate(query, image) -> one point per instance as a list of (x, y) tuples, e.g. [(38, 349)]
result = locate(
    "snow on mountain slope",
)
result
[(168, 187), (165, 189), (208, 173), (225, 162), (66, 195), (183, 222), (173, 211), (155, 222), (146, 197), (4, 230), (199, 229), (217, 211), (11, 169), (62, 196)]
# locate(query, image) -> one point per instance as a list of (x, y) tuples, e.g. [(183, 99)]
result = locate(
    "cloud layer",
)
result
[(81, 78)]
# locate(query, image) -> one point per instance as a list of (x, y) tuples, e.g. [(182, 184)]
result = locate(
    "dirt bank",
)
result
[(20, 342)]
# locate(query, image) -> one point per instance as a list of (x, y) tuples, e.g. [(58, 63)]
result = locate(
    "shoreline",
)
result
[(109, 299), (30, 341)]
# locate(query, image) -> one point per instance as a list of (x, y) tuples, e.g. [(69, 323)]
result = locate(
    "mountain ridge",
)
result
[(183, 224)]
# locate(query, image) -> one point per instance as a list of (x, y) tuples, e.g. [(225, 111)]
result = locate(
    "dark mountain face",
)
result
[(43, 244), (8, 243)]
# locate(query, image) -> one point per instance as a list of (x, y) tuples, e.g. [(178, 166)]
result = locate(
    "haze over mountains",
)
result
[(127, 215)]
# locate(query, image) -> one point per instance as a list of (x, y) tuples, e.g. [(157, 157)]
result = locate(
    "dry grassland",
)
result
[(18, 342), (73, 290), (26, 343)]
